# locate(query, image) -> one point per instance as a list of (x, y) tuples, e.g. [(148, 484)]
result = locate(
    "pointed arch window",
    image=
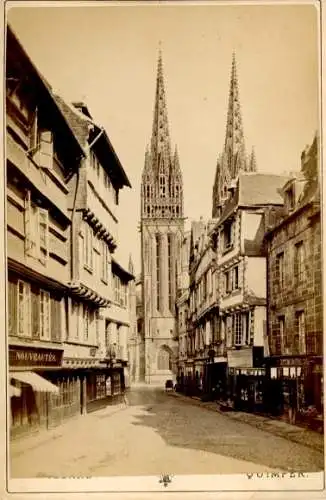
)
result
[(148, 191), (162, 182)]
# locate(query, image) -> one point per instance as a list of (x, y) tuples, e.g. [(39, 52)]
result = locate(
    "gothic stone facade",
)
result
[(161, 238)]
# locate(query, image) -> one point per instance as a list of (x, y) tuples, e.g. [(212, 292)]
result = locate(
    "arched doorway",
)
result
[(165, 359)]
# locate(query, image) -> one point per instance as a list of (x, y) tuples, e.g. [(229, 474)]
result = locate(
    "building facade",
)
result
[(202, 324), (295, 320), (162, 227), (98, 284), (42, 154), (63, 183)]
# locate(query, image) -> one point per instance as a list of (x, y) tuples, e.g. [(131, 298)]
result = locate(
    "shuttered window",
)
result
[(12, 307), (45, 315), (55, 313), (24, 309), (35, 313)]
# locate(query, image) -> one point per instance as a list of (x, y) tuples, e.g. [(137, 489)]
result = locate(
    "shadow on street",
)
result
[(184, 425)]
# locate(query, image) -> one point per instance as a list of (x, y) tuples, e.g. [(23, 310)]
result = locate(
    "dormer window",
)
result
[(289, 198)]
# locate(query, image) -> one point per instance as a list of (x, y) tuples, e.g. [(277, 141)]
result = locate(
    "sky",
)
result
[(106, 55)]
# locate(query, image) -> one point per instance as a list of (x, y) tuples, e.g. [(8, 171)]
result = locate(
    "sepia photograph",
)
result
[(163, 246)]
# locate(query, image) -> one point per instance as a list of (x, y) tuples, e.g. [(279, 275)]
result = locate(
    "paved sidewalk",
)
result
[(34, 440), (300, 435)]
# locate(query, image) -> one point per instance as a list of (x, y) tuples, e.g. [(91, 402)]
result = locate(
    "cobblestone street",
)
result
[(154, 432)]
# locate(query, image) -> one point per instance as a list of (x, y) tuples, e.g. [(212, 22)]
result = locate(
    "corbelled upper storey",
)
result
[(161, 192)]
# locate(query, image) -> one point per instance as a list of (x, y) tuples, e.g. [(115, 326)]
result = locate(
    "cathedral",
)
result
[(162, 228)]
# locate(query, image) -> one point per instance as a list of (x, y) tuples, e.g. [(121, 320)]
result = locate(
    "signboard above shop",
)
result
[(34, 356), (241, 358)]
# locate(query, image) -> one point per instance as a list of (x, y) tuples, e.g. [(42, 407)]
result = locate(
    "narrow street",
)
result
[(155, 433)]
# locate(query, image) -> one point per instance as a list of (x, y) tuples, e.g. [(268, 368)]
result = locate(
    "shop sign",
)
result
[(291, 362), (253, 372), (286, 372), (240, 359), (31, 356)]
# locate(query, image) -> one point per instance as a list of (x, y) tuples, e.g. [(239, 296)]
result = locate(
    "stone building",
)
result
[(295, 320), (162, 227)]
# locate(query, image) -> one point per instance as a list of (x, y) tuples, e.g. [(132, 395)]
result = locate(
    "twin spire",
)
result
[(233, 159), (162, 190)]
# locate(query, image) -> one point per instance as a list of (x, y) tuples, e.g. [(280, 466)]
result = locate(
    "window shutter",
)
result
[(55, 319), (46, 149), (33, 133), (35, 314), (28, 227), (12, 307), (27, 310), (43, 235)]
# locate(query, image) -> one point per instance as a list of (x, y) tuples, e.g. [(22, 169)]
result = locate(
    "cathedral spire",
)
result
[(252, 161), (160, 143), (234, 147), (233, 159)]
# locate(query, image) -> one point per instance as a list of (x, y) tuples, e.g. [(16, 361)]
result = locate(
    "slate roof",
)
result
[(260, 189), (255, 190)]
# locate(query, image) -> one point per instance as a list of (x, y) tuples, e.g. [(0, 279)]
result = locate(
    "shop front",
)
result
[(247, 389), (32, 385), (215, 378), (296, 390), (104, 386)]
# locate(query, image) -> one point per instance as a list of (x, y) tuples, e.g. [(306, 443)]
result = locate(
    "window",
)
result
[(45, 152), (280, 269), (281, 332), (158, 286), (88, 241), (228, 235), (116, 282), (299, 262), (235, 284), (104, 261), (36, 230), (162, 186), (301, 333), (24, 309), (289, 198), (44, 315), (86, 322), (237, 328), (227, 281)]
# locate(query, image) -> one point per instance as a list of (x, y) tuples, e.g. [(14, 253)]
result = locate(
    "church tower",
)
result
[(161, 227), (233, 159)]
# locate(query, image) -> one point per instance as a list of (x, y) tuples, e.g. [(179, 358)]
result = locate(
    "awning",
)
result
[(38, 383), (14, 391)]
